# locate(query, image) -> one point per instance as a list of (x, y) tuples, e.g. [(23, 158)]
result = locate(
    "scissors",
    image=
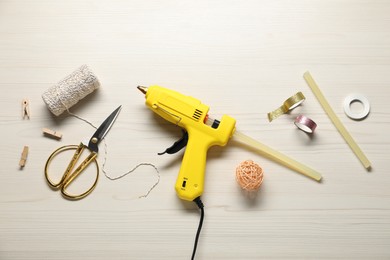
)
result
[(68, 177)]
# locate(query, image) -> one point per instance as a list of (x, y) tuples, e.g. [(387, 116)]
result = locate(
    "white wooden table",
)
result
[(243, 58)]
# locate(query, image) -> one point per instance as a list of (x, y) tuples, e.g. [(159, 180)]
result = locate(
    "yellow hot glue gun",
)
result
[(201, 133)]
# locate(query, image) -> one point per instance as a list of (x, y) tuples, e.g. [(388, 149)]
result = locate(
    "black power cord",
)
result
[(199, 203)]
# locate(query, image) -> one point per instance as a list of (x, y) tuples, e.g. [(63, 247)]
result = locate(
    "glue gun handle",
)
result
[(190, 181)]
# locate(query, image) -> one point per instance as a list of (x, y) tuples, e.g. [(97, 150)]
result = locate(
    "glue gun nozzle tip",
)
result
[(143, 89)]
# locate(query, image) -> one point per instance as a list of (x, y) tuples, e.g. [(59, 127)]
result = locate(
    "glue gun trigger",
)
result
[(178, 145)]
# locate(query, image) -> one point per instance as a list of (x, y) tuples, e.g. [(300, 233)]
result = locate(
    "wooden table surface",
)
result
[(242, 58)]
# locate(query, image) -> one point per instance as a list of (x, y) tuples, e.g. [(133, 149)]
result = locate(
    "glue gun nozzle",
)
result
[(143, 89)]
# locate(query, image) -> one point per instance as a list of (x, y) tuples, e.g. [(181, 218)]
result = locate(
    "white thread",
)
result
[(70, 90), (128, 172), (123, 174)]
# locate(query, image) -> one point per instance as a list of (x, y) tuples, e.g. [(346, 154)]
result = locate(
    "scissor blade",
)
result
[(103, 130)]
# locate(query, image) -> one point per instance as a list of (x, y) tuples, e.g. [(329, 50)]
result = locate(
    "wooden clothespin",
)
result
[(23, 158), (50, 133), (25, 109)]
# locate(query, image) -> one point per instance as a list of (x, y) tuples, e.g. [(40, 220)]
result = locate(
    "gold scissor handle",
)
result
[(68, 177)]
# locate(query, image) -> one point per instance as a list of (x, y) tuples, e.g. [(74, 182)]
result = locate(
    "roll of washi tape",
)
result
[(356, 98), (290, 103), (305, 124)]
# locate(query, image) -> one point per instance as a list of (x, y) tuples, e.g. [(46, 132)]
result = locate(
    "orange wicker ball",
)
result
[(249, 175)]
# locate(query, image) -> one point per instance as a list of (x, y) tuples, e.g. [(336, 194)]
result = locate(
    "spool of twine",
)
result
[(70, 90), (249, 175)]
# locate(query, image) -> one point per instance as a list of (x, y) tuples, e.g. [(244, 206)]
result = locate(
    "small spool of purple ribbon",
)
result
[(305, 124)]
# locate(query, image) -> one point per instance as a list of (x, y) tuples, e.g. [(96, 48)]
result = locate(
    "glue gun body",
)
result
[(190, 114)]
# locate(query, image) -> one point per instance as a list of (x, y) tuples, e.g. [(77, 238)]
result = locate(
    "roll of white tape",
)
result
[(356, 98)]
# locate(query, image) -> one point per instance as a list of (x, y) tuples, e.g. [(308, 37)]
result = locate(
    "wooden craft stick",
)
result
[(51, 133), (23, 157), (336, 121)]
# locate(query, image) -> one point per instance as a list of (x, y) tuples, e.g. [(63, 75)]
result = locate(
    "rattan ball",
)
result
[(249, 175)]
